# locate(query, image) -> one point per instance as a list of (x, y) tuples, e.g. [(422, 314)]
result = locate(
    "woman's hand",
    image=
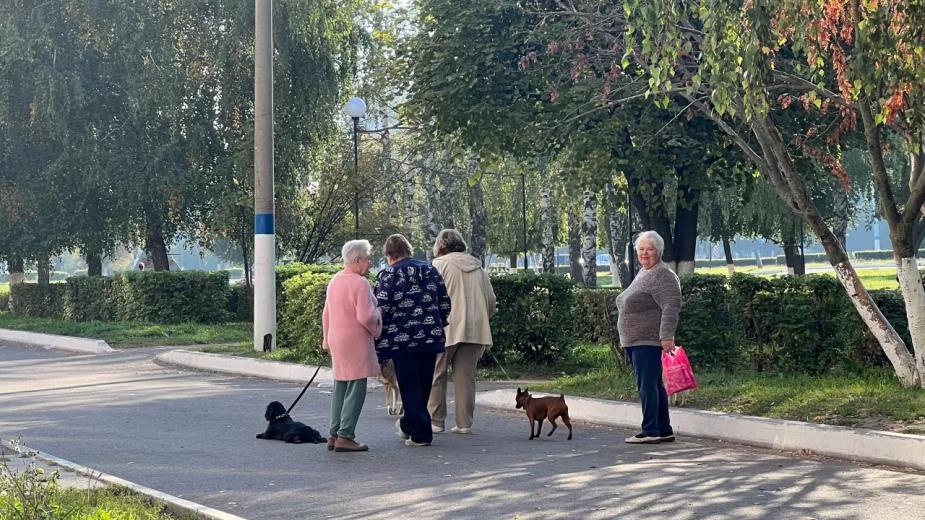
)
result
[(668, 345)]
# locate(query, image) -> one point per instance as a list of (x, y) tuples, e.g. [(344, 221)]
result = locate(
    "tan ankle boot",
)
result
[(342, 444)]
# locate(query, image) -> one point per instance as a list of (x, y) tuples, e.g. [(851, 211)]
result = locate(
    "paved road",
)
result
[(192, 435)]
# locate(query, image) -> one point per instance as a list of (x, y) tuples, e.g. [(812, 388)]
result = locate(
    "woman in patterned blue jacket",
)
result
[(415, 308)]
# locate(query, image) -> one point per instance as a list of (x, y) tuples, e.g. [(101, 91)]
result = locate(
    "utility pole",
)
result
[(264, 218), (523, 213)]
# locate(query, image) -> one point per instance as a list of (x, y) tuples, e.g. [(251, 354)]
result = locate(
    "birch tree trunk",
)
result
[(589, 239), (43, 268), (778, 167), (477, 219), (547, 214), (616, 237), (408, 215), (730, 263), (17, 269), (574, 245), (840, 227), (429, 213)]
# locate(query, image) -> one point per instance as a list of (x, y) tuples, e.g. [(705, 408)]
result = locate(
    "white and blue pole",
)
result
[(264, 219)]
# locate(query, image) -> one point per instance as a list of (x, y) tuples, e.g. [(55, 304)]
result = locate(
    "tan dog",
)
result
[(390, 383), (539, 408)]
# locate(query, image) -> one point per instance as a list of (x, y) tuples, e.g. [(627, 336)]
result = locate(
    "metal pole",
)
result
[(523, 211), (356, 178), (264, 232)]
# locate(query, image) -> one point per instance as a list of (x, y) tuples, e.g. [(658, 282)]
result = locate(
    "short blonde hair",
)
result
[(654, 238), (449, 241)]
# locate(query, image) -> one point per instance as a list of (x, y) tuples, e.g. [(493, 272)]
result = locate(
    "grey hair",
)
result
[(654, 238), (356, 249), (449, 241)]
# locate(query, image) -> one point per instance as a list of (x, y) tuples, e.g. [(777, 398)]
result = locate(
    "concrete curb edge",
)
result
[(176, 505), (68, 343), (895, 449), (275, 370)]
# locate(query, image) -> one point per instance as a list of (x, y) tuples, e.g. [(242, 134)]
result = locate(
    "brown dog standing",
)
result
[(539, 408)]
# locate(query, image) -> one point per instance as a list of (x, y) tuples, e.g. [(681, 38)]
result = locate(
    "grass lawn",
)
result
[(133, 334), (874, 400), (244, 349)]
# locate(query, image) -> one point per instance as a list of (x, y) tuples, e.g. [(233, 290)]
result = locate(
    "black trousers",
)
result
[(647, 363), (415, 374)]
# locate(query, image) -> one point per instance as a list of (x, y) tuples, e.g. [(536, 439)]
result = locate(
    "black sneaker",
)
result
[(666, 438), (641, 438)]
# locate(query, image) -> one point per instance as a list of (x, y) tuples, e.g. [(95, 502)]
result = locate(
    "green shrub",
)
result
[(88, 299), (300, 326), (4, 297), (881, 254), (172, 296), (739, 262), (707, 328), (40, 301), (241, 302), (533, 321)]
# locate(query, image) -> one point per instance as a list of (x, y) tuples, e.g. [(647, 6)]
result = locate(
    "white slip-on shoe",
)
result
[(457, 429), (409, 442), (398, 431), (641, 438), (436, 429)]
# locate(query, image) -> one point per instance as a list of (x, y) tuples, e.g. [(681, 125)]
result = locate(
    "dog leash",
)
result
[(303, 390)]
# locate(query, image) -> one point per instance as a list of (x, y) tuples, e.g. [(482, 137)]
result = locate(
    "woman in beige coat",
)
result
[(467, 335)]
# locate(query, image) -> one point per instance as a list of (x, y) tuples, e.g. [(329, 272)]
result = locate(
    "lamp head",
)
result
[(355, 107)]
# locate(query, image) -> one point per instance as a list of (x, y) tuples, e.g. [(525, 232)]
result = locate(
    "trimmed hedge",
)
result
[(41, 301), (739, 262), (300, 325), (533, 319), (882, 254), (89, 299), (172, 296)]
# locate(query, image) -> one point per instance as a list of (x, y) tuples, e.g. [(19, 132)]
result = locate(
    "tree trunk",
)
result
[(616, 237), (431, 227), (910, 284), (654, 218), (477, 220), (589, 239), (779, 168), (730, 263), (408, 201), (685, 229), (513, 260), (840, 228), (43, 269), (94, 264), (156, 247), (574, 245), (17, 269), (547, 214)]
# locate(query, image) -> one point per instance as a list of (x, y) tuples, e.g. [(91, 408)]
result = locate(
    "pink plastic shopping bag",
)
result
[(679, 376)]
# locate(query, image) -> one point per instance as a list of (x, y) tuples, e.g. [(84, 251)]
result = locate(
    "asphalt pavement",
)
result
[(191, 435)]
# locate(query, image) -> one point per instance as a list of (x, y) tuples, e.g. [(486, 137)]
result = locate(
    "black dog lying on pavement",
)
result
[(283, 428)]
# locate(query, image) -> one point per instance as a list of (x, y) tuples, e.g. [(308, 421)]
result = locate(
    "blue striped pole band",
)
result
[(263, 224)]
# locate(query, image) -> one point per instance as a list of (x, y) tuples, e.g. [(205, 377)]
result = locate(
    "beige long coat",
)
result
[(472, 298)]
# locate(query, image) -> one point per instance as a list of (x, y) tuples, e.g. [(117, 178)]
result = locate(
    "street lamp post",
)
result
[(355, 108)]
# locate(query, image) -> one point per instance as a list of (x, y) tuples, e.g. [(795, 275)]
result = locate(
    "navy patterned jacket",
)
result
[(415, 308)]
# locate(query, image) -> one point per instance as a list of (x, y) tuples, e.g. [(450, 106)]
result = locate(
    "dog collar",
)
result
[(280, 416)]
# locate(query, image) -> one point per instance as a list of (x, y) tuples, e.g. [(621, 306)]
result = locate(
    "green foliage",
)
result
[(533, 321), (300, 326), (241, 302), (172, 296), (28, 299), (882, 254), (741, 262), (89, 299), (4, 296), (707, 327), (594, 316)]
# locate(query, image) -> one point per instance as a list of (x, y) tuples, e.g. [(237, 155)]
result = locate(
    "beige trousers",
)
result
[(464, 358)]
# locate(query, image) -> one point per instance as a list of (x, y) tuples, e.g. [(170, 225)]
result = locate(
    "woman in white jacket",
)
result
[(467, 335)]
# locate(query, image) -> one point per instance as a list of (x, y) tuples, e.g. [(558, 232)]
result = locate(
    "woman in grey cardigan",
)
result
[(648, 316)]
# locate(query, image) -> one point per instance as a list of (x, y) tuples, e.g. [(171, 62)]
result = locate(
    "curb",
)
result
[(175, 505), (854, 444), (275, 370), (68, 343)]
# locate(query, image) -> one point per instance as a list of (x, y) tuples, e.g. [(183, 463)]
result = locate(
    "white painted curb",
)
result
[(276, 370), (860, 445), (68, 343), (174, 504)]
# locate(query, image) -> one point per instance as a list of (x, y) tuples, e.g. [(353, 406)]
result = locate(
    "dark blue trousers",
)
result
[(415, 374), (647, 364)]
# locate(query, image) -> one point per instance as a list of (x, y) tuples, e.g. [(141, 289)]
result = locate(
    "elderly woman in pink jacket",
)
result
[(350, 322)]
